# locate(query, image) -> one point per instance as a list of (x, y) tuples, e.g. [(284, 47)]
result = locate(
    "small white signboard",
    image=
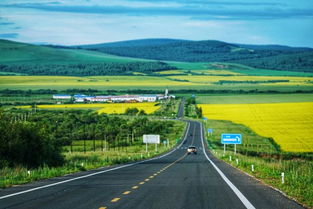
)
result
[(151, 139)]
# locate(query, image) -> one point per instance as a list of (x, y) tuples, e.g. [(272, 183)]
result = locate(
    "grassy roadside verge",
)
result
[(79, 161), (267, 161)]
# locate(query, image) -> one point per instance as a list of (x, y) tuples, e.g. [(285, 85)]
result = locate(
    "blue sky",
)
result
[(73, 22)]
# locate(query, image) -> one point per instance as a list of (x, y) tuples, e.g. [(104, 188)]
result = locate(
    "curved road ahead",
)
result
[(175, 180)]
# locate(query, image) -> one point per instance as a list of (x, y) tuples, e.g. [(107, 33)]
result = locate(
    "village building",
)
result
[(116, 99), (148, 98), (61, 96)]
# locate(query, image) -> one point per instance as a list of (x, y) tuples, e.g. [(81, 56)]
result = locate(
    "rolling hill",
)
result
[(16, 52), (131, 43), (273, 57), (28, 59), (148, 56)]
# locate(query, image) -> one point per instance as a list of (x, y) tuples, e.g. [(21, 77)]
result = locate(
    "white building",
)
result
[(100, 99), (125, 98), (148, 98), (82, 98), (61, 96)]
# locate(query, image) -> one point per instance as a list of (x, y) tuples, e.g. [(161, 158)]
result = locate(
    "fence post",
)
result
[(84, 145)]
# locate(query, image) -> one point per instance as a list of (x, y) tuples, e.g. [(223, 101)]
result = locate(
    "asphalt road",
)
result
[(176, 180)]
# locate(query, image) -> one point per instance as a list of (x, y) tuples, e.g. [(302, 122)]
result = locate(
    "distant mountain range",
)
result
[(274, 57)]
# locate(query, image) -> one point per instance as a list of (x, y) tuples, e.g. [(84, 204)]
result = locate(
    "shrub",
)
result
[(27, 144)]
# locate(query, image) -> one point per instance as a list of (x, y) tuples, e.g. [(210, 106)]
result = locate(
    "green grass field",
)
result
[(253, 98), (201, 67)]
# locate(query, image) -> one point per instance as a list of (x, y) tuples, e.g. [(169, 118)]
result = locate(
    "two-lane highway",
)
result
[(176, 180)]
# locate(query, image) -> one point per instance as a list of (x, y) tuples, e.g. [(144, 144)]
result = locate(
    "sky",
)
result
[(76, 22)]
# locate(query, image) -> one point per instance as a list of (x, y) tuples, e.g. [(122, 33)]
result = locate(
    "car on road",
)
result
[(192, 149)]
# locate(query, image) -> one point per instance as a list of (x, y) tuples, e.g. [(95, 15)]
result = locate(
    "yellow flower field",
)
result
[(118, 108), (109, 108), (290, 124)]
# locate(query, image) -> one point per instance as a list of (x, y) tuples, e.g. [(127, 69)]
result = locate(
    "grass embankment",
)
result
[(268, 162), (252, 98), (120, 152)]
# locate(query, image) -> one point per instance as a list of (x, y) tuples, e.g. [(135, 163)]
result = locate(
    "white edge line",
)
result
[(242, 198), (93, 174)]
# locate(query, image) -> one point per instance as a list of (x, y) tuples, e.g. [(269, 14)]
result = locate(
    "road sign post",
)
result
[(231, 139), (210, 131), (151, 139)]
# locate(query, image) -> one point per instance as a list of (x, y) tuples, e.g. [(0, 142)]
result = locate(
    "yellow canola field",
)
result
[(289, 124), (148, 107), (109, 108)]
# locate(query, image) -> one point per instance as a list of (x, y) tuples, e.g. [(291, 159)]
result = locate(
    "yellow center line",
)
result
[(115, 199), (127, 192), (148, 179)]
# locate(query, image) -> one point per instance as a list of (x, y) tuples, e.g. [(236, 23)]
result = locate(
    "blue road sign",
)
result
[(210, 130), (231, 139)]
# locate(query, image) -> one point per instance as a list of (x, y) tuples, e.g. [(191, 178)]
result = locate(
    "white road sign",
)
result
[(151, 139)]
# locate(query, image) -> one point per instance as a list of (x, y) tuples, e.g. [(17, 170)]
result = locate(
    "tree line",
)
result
[(86, 69)]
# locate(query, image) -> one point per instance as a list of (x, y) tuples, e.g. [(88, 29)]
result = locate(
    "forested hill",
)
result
[(131, 43), (274, 57), (28, 59)]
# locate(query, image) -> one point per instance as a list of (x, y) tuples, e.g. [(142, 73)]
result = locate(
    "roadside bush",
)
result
[(131, 111), (26, 144)]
